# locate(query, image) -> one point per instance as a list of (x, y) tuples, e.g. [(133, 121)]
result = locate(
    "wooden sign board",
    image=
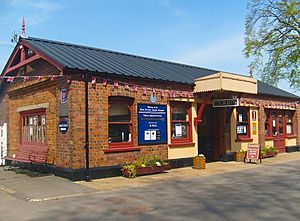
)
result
[(253, 152)]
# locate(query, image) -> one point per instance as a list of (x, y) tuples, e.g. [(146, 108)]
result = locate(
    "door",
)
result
[(3, 143), (278, 132)]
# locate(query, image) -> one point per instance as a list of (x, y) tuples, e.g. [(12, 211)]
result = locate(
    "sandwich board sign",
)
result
[(253, 152)]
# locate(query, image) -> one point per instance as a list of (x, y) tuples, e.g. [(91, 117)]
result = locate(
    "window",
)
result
[(242, 122), (289, 122), (120, 122), (33, 127), (181, 122)]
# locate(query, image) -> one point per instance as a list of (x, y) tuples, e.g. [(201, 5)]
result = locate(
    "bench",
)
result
[(30, 155)]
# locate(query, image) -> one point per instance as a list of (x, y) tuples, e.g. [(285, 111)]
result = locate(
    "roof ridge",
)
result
[(116, 52)]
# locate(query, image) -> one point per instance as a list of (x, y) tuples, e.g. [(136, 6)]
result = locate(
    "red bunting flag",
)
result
[(10, 79), (135, 88), (144, 91), (126, 86), (116, 84), (191, 94), (104, 83), (94, 79), (53, 78), (39, 78), (69, 78), (162, 93), (25, 78)]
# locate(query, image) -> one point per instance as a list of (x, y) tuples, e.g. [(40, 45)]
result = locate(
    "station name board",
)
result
[(226, 103)]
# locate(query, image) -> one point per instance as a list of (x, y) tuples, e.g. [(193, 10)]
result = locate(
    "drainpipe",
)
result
[(86, 146)]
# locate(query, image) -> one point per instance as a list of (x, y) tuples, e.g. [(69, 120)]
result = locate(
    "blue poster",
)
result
[(152, 123)]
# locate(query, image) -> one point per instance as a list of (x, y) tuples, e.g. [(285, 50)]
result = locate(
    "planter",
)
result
[(147, 170), (199, 162), (271, 154), (240, 156), (291, 149)]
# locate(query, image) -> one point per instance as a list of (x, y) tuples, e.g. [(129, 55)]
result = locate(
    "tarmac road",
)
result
[(265, 192)]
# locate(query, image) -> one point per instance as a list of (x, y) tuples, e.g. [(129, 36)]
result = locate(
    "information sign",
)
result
[(63, 125), (152, 123), (253, 151)]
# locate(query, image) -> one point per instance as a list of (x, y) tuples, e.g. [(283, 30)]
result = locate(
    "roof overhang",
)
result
[(226, 82)]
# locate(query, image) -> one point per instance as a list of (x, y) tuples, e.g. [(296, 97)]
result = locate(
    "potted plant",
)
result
[(145, 166), (240, 155), (199, 162), (268, 152)]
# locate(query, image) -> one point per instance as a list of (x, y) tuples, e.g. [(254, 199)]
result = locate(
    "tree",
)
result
[(273, 40)]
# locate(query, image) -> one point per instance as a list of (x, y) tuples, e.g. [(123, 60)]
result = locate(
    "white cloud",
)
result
[(227, 49), (174, 10), (35, 11)]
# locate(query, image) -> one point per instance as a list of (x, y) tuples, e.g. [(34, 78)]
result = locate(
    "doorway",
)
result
[(209, 134), (277, 118)]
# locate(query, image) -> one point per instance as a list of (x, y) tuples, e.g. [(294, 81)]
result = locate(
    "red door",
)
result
[(278, 130)]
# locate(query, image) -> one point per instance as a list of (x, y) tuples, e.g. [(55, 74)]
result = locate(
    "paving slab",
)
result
[(113, 183), (24, 187)]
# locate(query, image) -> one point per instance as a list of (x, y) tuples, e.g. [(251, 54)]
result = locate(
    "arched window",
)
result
[(120, 122), (181, 122)]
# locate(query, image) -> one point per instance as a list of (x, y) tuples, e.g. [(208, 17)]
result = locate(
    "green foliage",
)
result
[(143, 162), (273, 40), (267, 149)]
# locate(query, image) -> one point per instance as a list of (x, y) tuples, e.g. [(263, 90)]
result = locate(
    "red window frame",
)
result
[(188, 108), (38, 113), (247, 123), (127, 101), (290, 123)]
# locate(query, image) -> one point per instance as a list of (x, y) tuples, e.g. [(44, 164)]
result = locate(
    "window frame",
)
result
[(35, 112), (292, 114), (127, 101), (248, 134), (188, 107)]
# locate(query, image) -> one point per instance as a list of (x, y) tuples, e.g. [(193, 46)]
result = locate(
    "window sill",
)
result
[(174, 145), (122, 149), (246, 139), (290, 136), (269, 138)]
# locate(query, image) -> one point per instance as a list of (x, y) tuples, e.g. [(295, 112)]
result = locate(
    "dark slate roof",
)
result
[(105, 61), (72, 56), (264, 88)]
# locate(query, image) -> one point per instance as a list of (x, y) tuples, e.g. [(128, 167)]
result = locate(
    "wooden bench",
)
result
[(30, 155)]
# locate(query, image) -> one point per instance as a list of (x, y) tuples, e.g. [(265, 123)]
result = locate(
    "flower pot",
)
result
[(199, 162), (147, 170), (270, 154), (240, 156)]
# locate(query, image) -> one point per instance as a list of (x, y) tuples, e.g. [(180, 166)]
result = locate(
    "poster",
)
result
[(152, 123)]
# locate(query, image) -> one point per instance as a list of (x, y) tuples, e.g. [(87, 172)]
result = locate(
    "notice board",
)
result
[(152, 123), (253, 151)]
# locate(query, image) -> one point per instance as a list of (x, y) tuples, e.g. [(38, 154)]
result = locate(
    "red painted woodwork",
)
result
[(279, 137), (117, 146), (22, 63), (189, 138), (198, 119)]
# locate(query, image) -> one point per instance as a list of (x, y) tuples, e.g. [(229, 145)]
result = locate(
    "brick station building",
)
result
[(137, 107)]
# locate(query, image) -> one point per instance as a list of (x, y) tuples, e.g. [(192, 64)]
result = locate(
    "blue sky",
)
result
[(197, 32)]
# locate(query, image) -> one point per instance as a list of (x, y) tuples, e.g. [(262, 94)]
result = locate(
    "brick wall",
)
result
[(98, 124), (33, 92)]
